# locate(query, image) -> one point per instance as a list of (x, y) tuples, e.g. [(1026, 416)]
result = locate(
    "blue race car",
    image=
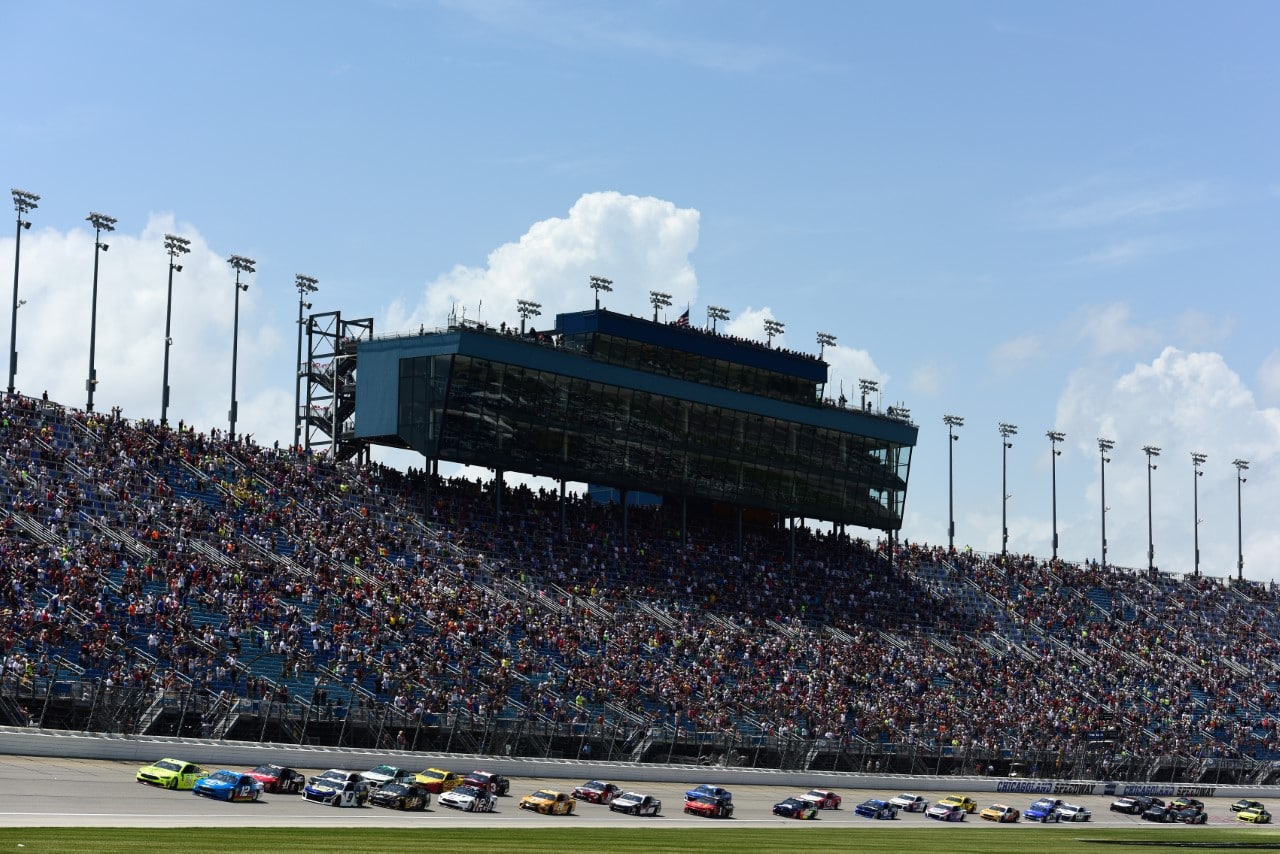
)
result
[(796, 808), (228, 786), (876, 808), (720, 794), (1044, 810)]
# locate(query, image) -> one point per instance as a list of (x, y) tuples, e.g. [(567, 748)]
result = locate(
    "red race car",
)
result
[(597, 792), (709, 806), (823, 799)]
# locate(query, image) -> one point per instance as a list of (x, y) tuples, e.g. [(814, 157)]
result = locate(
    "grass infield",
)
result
[(992, 840)]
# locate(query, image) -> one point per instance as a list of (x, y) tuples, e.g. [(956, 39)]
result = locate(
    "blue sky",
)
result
[(1062, 216)]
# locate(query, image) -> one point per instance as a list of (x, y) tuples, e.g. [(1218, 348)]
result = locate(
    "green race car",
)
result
[(171, 774)]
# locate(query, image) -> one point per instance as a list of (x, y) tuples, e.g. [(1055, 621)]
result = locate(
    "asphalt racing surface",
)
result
[(44, 792)]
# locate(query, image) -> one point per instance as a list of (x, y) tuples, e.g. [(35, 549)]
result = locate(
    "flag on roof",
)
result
[(683, 320)]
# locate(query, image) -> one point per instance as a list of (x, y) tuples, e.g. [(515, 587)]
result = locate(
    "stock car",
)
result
[(337, 788), (823, 799), (965, 802), (908, 802), (469, 798), (795, 808), (495, 784), (876, 808), (597, 792), (1044, 810), (1000, 814), (1074, 812), (1160, 812), (548, 802), (1246, 804), (400, 795), (279, 780), (1188, 804), (1254, 815), (1190, 815), (171, 774), (709, 806), (634, 803), (437, 782), (1135, 805), (945, 812), (380, 775), (720, 794), (228, 786)]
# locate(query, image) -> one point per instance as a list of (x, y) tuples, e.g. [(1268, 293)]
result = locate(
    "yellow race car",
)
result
[(548, 802), (1255, 815), (437, 782), (171, 774), (965, 802)]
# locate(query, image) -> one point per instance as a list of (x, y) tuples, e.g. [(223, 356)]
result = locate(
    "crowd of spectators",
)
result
[(171, 559)]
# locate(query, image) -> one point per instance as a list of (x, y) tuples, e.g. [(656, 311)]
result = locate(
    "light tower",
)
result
[(952, 422), (1055, 436), (175, 246), (1152, 452), (771, 328), (527, 309), (714, 313), (1242, 466), (867, 387), (825, 340), (101, 223), (23, 203), (306, 285), (1104, 448), (658, 300), (598, 284), (1197, 460), (1006, 432), (241, 264)]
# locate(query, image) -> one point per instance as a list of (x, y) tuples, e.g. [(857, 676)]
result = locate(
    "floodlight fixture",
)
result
[(175, 246), (714, 313), (240, 264), (100, 223), (1055, 436), (773, 327), (527, 309), (658, 300), (825, 340), (1242, 466), (867, 387), (598, 284), (952, 422), (306, 286)]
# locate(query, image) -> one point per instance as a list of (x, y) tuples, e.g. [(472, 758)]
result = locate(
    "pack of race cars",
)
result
[(401, 789)]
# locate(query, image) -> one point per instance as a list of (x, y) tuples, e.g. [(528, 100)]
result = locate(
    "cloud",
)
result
[(642, 243), (1011, 355), (1109, 330), (1269, 378), (1180, 402), (1097, 203), (1121, 253)]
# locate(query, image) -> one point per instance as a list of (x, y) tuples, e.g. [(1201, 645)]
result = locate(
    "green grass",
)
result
[(712, 840)]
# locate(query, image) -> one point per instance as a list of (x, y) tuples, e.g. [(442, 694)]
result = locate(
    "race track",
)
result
[(39, 791)]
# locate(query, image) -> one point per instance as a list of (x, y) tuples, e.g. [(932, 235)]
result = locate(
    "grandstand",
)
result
[(174, 582)]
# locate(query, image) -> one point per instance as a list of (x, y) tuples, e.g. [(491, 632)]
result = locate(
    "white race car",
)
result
[(468, 799), (908, 802), (338, 788), (1074, 812)]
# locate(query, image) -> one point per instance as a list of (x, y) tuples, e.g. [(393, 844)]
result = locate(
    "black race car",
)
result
[(400, 795), (279, 780), (494, 784), (1135, 805)]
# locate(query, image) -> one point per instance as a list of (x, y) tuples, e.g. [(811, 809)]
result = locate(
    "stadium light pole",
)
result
[(23, 203), (1055, 436), (598, 284), (527, 309), (1006, 431), (773, 327), (825, 340), (1152, 452), (1104, 447), (175, 246), (245, 265), (1197, 460), (101, 223), (1241, 467), (952, 421), (714, 313), (659, 300), (867, 386), (306, 285)]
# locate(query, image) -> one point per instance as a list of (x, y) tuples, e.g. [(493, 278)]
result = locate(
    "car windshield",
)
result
[(168, 765), (473, 791), (705, 799), (1042, 804), (333, 777), (385, 770), (905, 797), (593, 785), (545, 795), (434, 775), (268, 770), (226, 777), (817, 793), (874, 803), (396, 789), (631, 796)]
